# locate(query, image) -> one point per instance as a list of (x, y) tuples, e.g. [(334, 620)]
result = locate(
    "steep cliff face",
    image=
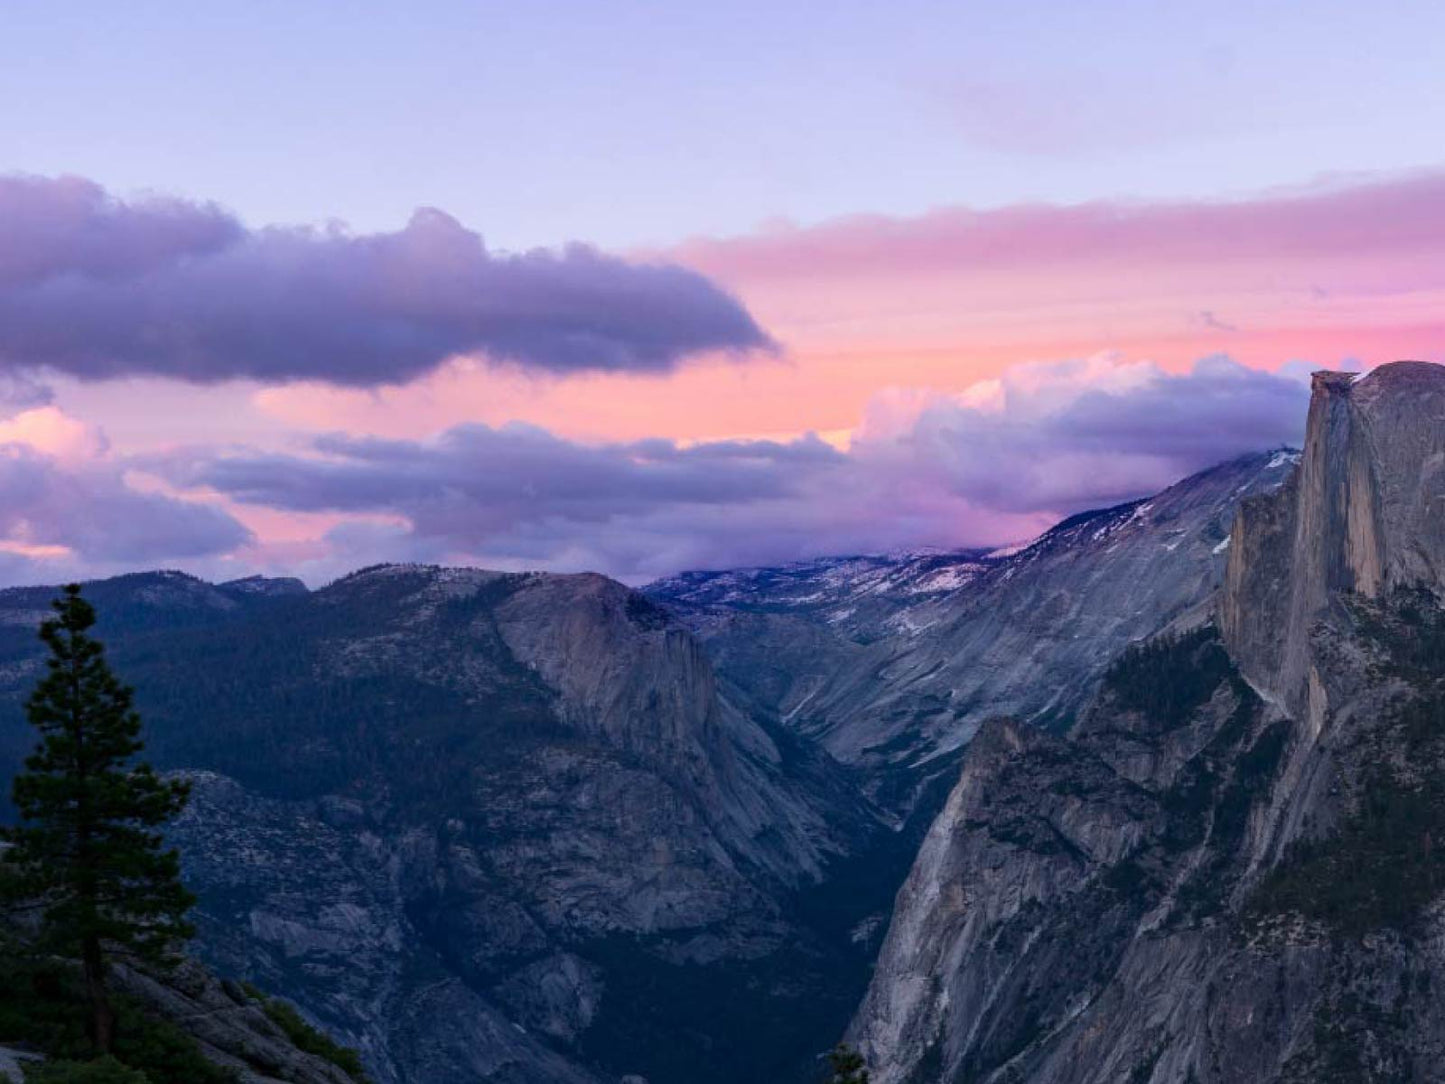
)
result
[(491, 827), (1362, 516), (893, 673), (1227, 871), (313, 900)]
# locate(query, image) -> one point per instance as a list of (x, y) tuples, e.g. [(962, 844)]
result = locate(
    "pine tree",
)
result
[(87, 849), (845, 1066)]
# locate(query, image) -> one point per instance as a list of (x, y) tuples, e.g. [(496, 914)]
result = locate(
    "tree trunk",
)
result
[(102, 1020)]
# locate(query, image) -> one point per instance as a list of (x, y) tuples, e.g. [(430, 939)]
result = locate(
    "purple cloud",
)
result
[(96, 288), (991, 466), (104, 522), (1063, 437), (68, 226), (21, 391), (475, 480)]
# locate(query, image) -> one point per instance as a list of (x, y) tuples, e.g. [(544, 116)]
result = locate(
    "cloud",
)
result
[(1319, 272), (1210, 320), (70, 226), (1001, 460), (19, 391), (96, 515), (1398, 217), (475, 480), (948, 298), (95, 287), (51, 431), (520, 497), (65, 504), (1065, 436)]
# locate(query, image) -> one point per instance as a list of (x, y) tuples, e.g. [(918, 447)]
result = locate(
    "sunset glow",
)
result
[(151, 344)]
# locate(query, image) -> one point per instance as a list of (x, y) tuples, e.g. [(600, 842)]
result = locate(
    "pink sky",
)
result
[(1322, 274), (940, 311)]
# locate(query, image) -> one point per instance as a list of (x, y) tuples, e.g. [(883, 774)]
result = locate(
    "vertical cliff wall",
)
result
[(1230, 869), (1362, 515)]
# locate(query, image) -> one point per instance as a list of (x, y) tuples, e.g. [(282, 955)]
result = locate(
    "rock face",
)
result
[(230, 1026), (485, 826), (893, 671), (1227, 870), (1362, 516)]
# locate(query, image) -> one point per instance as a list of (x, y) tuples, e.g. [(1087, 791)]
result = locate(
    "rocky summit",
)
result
[(1228, 868)]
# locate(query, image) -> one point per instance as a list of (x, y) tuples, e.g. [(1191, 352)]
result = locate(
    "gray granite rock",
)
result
[(893, 663), (1107, 907)]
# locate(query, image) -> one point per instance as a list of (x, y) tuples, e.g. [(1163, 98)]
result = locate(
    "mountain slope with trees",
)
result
[(93, 912), (489, 826)]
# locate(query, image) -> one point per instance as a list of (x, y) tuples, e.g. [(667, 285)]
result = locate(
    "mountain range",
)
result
[(1056, 813)]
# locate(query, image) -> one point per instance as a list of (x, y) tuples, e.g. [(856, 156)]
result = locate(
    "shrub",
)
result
[(1381, 869), (312, 1041)]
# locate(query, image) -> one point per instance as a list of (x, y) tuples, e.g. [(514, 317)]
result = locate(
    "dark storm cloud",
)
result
[(96, 288)]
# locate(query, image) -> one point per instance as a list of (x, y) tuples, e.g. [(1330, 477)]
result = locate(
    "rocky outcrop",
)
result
[(13, 1062), (1227, 871), (230, 1026), (186, 1009)]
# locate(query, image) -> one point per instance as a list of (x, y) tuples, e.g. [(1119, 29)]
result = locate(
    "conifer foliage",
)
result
[(88, 849), (845, 1066)]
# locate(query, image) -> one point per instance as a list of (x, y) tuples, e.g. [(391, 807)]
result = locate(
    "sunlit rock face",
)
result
[(1227, 869)]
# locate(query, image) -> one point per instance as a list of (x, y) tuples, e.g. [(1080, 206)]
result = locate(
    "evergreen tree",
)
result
[(845, 1066), (87, 849)]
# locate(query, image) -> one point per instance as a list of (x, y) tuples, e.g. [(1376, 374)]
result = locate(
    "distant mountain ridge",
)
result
[(534, 827), (895, 680), (845, 591)]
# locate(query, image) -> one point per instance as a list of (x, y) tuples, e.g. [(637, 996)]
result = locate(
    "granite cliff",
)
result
[(1227, 869)]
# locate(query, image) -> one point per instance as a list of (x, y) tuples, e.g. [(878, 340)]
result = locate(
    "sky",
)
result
[(295, 288)]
